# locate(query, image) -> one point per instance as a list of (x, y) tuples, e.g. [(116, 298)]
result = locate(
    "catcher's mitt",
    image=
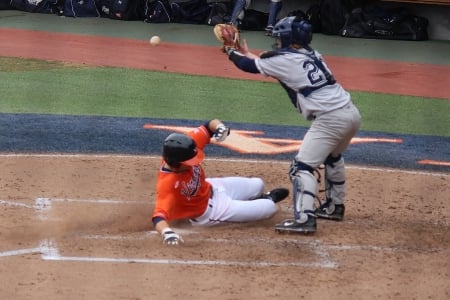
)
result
[(228, 35)]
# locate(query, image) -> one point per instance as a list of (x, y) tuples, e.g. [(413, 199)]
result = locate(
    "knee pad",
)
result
[(335, 179), (297, 166), (305, 191)]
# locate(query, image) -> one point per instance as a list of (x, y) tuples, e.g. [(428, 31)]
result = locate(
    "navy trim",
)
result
[(269, 54), (307, 91), (336, 182), (309, 193), (156, 220), (330, 160), (302, 166)]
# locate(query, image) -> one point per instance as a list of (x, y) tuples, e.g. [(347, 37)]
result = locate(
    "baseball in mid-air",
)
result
[(155, 40)]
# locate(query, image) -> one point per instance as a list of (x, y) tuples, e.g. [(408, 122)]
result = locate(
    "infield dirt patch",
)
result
[(78, 227)]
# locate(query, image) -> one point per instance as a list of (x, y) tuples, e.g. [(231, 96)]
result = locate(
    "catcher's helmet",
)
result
[(180, 148), (290, 31)]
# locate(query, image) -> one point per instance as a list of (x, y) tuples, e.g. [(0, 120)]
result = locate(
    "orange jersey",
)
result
[(184, 194)]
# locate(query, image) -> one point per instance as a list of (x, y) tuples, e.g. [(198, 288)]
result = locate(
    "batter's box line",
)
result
[(50, 252), (16, 204), (316, 245), (46, 247)]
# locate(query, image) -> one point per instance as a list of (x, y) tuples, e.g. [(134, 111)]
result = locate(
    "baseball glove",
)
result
[(228, 35)]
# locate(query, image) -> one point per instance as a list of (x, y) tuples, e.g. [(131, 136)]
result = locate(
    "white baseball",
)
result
[(155, 40)]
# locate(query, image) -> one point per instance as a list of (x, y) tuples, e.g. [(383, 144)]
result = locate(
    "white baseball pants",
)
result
[(235, 199)]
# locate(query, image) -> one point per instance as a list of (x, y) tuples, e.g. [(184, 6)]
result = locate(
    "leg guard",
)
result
[(335, 179), (305, 190)]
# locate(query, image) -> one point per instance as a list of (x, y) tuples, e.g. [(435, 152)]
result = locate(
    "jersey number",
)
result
[(313, 72)]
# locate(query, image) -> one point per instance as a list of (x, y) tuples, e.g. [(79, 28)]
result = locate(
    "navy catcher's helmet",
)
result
[(290, 31), (179, 148)]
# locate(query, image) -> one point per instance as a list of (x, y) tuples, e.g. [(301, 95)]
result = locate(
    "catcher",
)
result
[(184, 192), (319, 98)]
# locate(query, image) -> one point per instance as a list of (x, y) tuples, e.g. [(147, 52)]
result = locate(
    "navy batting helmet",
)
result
[(180, 148), (290, 31)]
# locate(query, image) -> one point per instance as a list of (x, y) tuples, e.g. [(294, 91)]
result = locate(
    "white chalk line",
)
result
[(192, 262), (14, 203), (20, 252), (46, 247), (50, 252), (64, 155)]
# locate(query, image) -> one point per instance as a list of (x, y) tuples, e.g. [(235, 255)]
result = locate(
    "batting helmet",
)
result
[(179, 148), (290, 31)]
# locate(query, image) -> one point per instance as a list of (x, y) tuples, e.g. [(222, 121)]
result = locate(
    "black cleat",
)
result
[(291, 225), (277, 194), (331, 211)]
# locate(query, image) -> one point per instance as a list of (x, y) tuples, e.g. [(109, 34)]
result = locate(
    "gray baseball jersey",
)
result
[(299, 73)]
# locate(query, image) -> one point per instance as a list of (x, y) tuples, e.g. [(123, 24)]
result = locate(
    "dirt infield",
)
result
[(78, 227)]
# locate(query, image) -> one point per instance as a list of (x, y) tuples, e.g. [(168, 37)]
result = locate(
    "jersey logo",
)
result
[(190, 188)]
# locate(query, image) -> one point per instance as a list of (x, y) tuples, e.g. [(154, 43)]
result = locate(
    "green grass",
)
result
[(34, 86)]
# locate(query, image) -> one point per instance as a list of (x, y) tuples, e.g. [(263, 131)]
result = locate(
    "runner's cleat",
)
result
[(277, 195)]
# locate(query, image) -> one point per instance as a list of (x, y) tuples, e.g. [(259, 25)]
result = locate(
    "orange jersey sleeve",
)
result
[(201, 136), (181, 195)]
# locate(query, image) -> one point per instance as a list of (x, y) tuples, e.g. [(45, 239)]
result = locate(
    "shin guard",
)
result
[(305, 190), (335, 179)]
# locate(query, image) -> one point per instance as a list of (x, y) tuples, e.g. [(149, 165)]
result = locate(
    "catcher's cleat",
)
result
[(277, 195), (291, 225), (330, 211)]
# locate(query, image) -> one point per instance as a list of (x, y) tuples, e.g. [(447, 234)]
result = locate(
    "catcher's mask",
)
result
[(179, 148), (291, 30)]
